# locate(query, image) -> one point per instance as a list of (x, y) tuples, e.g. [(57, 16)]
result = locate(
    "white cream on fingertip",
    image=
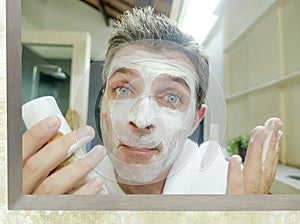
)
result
[(266, 144), (270, 126), (280, 133), (77, 145), (267, 123)]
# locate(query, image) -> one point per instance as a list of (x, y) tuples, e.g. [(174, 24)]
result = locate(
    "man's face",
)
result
[(147, 111)]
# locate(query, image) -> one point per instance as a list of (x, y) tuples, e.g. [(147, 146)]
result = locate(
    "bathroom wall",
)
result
[(262, 68), (254, 52)]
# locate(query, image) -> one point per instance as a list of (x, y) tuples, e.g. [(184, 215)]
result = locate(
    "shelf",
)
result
[(264, 86), (283, 183)]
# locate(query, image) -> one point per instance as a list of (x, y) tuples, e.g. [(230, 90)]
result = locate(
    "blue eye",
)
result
[(122, 91), (173, 99)]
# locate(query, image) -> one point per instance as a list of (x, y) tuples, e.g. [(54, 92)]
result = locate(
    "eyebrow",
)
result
[(127, 71), (132, 72), (177, 79)]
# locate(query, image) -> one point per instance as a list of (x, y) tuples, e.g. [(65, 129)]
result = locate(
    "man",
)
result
[(155, 81)]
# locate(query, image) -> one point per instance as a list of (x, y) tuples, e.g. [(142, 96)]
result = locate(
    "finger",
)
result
[(273, 127), (35, 137), (253, 161), (280, 134), (65, 179), (94, 186), (235, 180), (45, 160)]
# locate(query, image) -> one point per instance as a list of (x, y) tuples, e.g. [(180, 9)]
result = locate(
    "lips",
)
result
[(133, 155), (142, 150)]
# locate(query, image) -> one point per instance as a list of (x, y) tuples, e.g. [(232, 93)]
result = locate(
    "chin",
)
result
[(139, 174)]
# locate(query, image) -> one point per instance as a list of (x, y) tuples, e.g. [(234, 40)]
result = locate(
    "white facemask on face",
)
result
[(151, 111)]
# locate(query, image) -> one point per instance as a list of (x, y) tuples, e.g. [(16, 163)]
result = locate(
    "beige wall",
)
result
[(262, 69)]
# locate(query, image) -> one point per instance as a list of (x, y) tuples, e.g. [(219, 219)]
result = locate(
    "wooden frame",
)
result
[(16, 200)]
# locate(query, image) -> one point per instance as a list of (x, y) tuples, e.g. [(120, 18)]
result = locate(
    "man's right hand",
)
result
[(40, 157)]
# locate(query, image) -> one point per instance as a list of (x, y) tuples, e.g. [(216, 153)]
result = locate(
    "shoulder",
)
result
[(211, 152), (203, 172), (212, 169)]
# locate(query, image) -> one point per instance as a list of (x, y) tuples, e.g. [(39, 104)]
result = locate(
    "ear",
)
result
[(199, 117)]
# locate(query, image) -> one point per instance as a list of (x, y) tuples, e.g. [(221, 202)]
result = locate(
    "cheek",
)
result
[(173, 120), (107, 130), (178, 127), (189, 118), (104, 121), (173, 124)]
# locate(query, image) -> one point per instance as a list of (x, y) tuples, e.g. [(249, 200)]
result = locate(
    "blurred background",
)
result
[(253, 48)]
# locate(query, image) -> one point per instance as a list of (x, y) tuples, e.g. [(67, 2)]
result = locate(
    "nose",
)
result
[(141, 117), (146, 130)]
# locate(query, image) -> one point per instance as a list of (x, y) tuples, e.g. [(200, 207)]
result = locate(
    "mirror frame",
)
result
[(18, 201)]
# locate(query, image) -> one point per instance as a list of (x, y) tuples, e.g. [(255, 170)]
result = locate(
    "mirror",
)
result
[(137, 202)]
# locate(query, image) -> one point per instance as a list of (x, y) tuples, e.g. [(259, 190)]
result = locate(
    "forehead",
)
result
[(138, 53)]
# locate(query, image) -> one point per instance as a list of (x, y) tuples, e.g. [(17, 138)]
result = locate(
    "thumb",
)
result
[(235, 178)]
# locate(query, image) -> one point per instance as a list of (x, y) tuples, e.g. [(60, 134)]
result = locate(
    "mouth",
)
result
[(137, 155), (136, 149)]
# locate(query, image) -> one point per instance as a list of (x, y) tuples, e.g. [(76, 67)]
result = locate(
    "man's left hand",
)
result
[(257, 175)]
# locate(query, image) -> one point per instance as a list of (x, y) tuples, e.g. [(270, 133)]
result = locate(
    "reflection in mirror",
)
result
[(46, 71), (177, 122), (157, 202), (67, 52), (39, 85)]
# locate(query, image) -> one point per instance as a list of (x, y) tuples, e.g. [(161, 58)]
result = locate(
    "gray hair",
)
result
[(144, 24)]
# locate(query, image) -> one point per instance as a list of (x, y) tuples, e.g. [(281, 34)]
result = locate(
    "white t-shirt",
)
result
[(197, 170)]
